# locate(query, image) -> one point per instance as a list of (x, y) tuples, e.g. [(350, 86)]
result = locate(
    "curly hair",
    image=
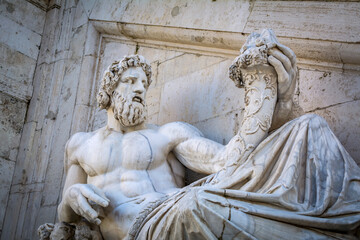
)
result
[(235, 73), (113, 73)]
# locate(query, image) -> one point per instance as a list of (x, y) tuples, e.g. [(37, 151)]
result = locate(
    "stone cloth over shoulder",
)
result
[(299, 183)]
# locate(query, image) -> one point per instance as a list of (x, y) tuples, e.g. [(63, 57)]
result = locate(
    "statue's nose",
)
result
[(139, 87)]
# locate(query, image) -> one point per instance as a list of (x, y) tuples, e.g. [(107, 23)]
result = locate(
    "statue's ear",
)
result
[(103, 99)]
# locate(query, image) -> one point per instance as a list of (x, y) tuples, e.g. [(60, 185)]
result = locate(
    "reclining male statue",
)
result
[(298, 182)]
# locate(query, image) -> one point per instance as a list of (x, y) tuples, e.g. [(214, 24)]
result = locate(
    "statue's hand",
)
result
[(283, 60), (79, 197)]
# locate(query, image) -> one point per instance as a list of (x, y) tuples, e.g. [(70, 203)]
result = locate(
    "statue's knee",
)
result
[(313, 120)]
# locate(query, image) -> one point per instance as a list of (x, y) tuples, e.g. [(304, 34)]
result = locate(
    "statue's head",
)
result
[(123, 89)]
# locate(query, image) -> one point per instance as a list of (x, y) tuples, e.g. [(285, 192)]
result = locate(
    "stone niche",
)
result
[(190, 45)]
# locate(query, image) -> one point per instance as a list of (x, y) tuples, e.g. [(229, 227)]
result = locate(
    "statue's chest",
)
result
[(142, 150), (136, 150)]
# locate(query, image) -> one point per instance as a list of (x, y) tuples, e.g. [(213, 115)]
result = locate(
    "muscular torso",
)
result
[(130, 163), (132, 170)]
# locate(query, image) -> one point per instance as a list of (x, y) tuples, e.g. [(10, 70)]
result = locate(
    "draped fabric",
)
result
[(299, 183)]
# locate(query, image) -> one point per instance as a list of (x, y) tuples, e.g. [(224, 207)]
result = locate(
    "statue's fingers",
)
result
[(80, 212), (91, 195), (97, 221), (88, 213), (282, 58), (288, 52), (77, 209), (99, 192), (283, 76)]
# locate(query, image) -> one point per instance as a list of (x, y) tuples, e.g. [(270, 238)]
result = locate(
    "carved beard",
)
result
[(128, 112)]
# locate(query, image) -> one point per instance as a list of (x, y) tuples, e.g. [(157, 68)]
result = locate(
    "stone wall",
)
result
[(190, 45), (21, 31)]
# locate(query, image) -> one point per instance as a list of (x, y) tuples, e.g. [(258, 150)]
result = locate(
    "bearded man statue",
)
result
[(126, 180)]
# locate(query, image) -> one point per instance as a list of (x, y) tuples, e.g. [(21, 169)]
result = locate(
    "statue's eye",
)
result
[(128, 80)]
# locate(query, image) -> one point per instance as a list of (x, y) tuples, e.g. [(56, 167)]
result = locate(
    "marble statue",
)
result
[(125, 180)]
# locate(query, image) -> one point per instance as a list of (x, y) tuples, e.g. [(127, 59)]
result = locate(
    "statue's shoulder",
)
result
[(79, 139), (73, 148)]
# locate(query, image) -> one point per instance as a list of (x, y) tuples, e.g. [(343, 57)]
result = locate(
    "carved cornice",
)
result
[(315, 54)]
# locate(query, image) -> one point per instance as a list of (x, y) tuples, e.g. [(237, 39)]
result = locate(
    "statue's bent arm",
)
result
[(191, 148), (75, 175), (198, 154), (268, 77), (77, 193)]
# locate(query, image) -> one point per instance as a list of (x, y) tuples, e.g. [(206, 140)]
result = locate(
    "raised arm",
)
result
[(267, 71)]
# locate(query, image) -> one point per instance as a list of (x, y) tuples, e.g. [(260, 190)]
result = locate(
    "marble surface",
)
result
[(126, 179)]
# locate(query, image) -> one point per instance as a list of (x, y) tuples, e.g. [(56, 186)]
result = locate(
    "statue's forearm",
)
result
[(260, 83), (75, 175), (205, 156), (260, 100)]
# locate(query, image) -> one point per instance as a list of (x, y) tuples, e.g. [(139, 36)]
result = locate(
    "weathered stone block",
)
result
[(80, 119), (322, 89), (153, 119), (17, 66), (16, 208), (40, 152), (24, 13), (27, 159), (313, 20), (92, 41), (51, 34), (19, 37), (81, 17), (86, 79), (11, 124), (6, 173), (88, 5), (15, 89), (184, 65), (78, 39), (16, 73), (113, 50), (157, 55), (61, 133), (203, 94), (153, 100), (221, 128), (177, 13)]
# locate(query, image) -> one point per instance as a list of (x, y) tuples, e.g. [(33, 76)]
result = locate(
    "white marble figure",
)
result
[(126, 177)]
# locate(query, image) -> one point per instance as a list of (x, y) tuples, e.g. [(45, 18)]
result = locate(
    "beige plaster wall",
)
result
[(190, 45)]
